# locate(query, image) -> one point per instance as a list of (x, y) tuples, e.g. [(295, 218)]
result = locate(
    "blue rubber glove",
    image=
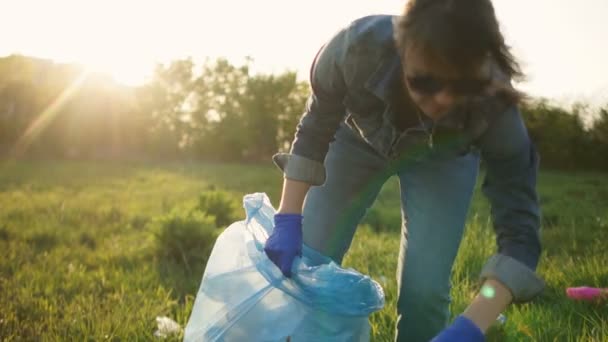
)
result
[(461, 330), (285, 242)]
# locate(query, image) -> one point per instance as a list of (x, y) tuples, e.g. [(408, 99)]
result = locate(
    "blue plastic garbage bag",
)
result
[(243, 296)]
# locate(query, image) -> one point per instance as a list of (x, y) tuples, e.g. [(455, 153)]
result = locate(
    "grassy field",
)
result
[(90, 251)]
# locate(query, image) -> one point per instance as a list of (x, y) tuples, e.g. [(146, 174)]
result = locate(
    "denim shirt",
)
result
[(352, 79)]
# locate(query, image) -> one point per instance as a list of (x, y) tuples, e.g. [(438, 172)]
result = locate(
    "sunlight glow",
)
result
[(47, 116), (127, 38)]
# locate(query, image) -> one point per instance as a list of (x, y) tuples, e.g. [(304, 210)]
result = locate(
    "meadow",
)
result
[(93, 251)]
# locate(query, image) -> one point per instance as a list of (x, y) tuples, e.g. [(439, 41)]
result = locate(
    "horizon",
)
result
[(140, 37)]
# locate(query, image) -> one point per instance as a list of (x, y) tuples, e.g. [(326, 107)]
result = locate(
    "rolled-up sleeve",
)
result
[(510, 185), (323, 113)]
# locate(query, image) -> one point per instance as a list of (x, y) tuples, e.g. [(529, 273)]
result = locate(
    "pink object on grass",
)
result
[(586, 293)]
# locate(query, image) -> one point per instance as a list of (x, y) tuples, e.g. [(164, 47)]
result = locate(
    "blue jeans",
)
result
[(435, 196)]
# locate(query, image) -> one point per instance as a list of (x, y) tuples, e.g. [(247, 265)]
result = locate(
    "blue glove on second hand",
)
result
[(285, 242), (461, 330)]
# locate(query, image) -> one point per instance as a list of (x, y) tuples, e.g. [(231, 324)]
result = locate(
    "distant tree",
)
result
[(216, 110), (162, 100), (221, 87), (599, 139), (557, 133), (270, 103)]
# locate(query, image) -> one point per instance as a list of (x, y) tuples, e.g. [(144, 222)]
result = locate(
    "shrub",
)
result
[(185, 239), (220, 204)]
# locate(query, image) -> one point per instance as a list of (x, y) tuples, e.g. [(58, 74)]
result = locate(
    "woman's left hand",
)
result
[(461, 330)]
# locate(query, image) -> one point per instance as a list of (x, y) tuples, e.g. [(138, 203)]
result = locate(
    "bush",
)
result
[(186, 239), (220, 204)]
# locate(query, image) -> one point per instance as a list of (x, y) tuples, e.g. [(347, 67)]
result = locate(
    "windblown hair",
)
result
[(459, 32)]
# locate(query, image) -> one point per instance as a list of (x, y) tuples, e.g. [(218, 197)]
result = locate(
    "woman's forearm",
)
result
[(292, 198), (493, 299)]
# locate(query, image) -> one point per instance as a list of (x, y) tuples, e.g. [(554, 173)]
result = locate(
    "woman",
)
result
[(424, 96)]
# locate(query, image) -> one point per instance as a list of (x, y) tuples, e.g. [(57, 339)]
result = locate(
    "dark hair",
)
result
[(459, 32)]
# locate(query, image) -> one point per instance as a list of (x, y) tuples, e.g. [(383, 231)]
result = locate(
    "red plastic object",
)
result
[(587, 293)]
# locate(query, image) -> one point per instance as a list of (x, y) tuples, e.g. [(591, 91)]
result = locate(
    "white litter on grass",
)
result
[(166, 327)]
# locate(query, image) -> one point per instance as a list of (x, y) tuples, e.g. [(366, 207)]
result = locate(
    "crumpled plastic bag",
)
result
[(243, 296), (166, 327)]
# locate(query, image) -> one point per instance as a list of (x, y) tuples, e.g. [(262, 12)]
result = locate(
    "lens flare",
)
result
[(47, 116), (488, 291)]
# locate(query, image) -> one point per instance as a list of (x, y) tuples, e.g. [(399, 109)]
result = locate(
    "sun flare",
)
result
[(125, 72)]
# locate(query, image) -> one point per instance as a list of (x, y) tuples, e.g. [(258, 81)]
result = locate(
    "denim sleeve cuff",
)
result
[(523, 282), (300, 168)]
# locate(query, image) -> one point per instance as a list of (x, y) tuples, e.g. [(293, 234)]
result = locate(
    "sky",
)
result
[(560, 43)]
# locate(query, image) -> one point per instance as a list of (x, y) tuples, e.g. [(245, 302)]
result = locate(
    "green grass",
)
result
[(81, 256)]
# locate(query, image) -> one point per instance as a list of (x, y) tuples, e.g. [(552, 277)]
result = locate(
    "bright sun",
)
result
[(120, 38), (126, 38), (130, 73)]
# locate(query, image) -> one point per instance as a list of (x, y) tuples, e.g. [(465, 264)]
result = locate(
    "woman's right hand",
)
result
[(285, 242)]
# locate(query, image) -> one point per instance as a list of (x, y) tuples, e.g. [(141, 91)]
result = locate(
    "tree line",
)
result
[(210, 111)]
